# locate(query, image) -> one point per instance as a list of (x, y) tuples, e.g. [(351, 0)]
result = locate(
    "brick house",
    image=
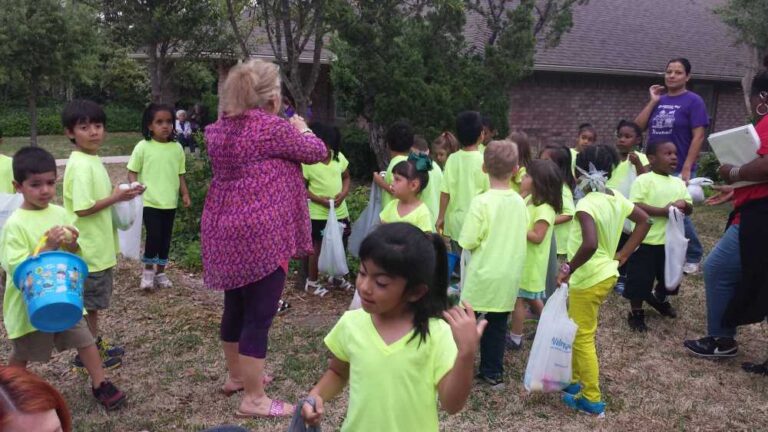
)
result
[(601, 70)]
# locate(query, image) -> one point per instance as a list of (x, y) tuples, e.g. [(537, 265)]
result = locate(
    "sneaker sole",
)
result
[(712, 356), (116, 405)]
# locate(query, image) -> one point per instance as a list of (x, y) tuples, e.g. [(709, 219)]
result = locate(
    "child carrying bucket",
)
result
[(34, 171)]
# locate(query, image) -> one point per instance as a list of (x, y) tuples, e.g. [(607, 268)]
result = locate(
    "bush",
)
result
[(14, 121), (354, 145), (708, 165)]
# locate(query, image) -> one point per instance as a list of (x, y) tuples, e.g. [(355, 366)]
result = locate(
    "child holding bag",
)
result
[(409, 180)]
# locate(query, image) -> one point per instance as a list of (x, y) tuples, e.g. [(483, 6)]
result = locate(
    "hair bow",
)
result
[(593, 180), (421, 160)]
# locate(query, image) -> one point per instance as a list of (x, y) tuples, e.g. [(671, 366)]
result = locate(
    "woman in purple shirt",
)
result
[(679, 115), (254, 221)]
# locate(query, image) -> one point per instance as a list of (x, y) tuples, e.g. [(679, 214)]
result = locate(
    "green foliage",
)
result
[(185, 246), (708, 165), (14, 121), (354, 145), (192, 79), (749, 18), (357, 200)]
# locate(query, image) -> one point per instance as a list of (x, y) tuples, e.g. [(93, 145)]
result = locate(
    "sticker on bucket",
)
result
[(52, 286)]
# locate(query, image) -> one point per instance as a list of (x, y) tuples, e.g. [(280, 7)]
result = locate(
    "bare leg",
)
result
[(160, 268), (93, 322), (92, 361), (312, 273), (149, 267), (518, 316), (255, 400), (234, 376), (536, 306)]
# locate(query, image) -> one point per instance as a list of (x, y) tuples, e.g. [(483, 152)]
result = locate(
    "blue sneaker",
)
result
[(580, 404), (572, 389)]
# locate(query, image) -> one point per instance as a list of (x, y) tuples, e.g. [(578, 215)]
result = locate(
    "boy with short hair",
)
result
[(34, 171), (431, 194), (655, 192), (399, 139), (463, 177), (495, 232), (88, 193)]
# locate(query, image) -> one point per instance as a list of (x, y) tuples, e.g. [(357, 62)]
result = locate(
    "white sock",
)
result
[(516, 338)]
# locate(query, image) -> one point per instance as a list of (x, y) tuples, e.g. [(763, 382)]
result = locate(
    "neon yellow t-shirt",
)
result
[(608, 212), (622, 171), (574, 153), (6, 175), (159, 166), (658, 190), (562, 230), (495, 233), (85, 182), (420, 217), (391, 387), (324, 180), (537, 255), (517, 180), (386, 197), (463, 180), (21, 234), (431, 194)]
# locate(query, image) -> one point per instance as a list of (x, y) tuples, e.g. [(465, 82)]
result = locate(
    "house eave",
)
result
[(218, 56), (539, 67)]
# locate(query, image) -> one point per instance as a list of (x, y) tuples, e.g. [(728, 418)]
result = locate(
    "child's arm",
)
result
[(638, 164), (118, 195), (444, 200), (380, 182), (453, 389), (331, 384), (561, 219), (184, 191), (132, 176), (318, 200), (642, 226), (539, 231), (654, 211), (684, 206), (345, 183), (587, 248)]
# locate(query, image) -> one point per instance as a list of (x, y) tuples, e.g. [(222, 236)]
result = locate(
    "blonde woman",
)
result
[(254, 221)]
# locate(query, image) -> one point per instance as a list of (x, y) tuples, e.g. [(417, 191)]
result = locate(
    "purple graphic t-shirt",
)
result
[(674, 118)]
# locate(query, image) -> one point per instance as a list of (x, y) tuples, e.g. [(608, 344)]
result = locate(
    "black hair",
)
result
[(330, 135), (399, 136), (683, 61), (653, 146), (561, 156), (602, 156), (403, 250), (634, 126), (487, 122), (760, 81), (547, 184), (32, 160), (469, 126), (587, 127), (407, 169), (149, 116), (82, 111), (420, 143)]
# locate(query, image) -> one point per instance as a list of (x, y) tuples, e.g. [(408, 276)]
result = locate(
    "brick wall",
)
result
[(550, 106)]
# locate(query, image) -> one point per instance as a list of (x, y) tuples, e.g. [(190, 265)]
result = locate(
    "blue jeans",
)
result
[(722, 273)]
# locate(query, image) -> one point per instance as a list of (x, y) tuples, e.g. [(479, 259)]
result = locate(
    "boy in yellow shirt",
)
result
[(35, 177), (655, 192), (399, 140), (89, 195), (463, 178), (494, 232)]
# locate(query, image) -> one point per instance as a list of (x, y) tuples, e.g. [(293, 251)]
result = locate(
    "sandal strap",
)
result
[(277, 408)]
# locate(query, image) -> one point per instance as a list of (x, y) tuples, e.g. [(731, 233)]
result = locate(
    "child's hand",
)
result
[(125, 194), (440, 225), (680, 204), (465, 328), (634, 158), (563, 277), (620, 258), (311, 416), (56, 236), (338, 199), (186, 201)]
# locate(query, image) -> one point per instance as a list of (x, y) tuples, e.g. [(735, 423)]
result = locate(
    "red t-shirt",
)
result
[(745, 194)]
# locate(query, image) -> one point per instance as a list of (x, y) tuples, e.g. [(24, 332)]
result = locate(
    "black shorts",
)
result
[(645, 272), (318, 226)]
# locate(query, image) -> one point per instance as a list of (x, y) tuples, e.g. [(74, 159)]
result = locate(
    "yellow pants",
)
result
[(583, 307)]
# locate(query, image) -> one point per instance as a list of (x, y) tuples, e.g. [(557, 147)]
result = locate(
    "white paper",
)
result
[(737, 146)]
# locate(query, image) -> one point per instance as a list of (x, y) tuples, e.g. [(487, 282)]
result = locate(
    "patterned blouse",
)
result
[(255, 217)]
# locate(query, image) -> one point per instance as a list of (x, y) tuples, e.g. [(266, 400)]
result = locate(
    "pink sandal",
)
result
[(276, 409)]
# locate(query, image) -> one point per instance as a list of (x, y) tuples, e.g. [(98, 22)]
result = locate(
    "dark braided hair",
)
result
[(561, 156), (602, 156)]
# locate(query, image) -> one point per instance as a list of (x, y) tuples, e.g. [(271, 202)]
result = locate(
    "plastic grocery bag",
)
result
[(625, 187), (695, 188), (466, 257), (130, 238), (8, 204), (549, 363), (674, 249), (333, 259), (367, 221), (123, 212)]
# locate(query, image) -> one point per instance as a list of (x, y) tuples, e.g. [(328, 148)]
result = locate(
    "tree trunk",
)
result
[(155, 75), (32, 106), (378, 145)]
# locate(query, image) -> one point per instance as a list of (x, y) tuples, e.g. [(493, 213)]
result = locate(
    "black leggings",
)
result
[(159, 225)]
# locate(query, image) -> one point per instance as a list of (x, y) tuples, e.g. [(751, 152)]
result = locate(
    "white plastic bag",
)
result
[(123, 212), (356, 302), (549, 363), (332, 260), (695, 188), (367, 221), (675, 246), (466, 257), (625, 187), (8, 204), (130, 238)]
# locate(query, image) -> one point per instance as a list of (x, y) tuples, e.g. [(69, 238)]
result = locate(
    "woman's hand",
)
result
[(465, 328), (311, 416), (298, 122), (725, 172), (724, 194), (656, 91)]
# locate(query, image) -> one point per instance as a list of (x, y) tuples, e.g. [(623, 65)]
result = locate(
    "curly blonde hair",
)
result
[(253, 84)]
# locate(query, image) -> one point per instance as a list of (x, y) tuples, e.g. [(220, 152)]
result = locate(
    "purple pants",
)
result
[(248, 314)]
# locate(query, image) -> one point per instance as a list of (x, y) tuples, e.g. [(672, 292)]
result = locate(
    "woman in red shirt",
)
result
[(736, 271)]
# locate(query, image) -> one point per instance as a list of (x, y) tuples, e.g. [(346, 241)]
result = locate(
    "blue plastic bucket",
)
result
[(453, 259), (52, 286)]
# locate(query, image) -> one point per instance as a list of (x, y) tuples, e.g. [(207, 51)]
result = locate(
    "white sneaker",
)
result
[(147, 279), (161, 279), (318, 289), (691, 268), (341, 282)]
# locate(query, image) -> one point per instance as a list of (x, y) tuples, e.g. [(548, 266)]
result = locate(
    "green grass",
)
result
[(115, 144)]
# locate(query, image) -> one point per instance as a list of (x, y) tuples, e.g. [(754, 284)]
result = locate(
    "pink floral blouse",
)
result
[(255, 216)]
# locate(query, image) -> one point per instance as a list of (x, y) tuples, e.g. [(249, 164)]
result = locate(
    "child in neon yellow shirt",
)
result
[(399, 140), (410, 179), (655, 192), (327, 180), (524, 158), (587, 136), (494, 233), (431, 193), (561, 156), (443, 146), (159, 164), (397, 354), (35, 178), (544, 185), (592, 268), (463, 178)]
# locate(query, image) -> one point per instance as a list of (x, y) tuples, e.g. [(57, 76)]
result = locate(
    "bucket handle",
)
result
[(39, 246)]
